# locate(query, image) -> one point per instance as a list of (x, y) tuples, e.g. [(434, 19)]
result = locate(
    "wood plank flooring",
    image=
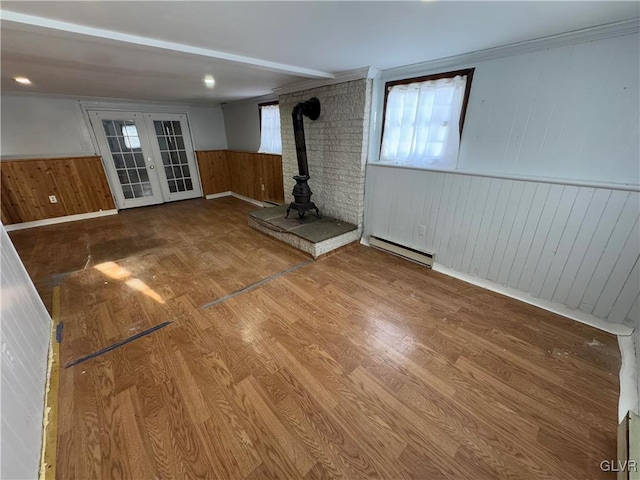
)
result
[(361, 365)]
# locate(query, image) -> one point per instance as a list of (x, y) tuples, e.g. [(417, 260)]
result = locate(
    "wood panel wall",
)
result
[(214, 172), (254, 175), (79, 184), (575, 246)]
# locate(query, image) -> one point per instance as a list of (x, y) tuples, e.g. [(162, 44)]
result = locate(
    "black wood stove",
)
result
[(301, 191)]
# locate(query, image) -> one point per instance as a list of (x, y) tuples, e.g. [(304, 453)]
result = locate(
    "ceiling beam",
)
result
[(42, 22)]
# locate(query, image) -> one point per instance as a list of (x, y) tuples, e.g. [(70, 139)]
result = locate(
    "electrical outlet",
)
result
[(422, 230), (53, 199)]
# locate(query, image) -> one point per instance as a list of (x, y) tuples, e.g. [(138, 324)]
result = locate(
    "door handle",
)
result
[(152, 167)]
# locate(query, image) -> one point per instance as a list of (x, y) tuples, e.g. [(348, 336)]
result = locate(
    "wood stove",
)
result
[(301, 191)]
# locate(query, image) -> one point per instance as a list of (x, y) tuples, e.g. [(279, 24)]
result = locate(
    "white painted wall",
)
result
[(569, 113), (25, 328), (560, 115), (574, 246), (242, 124), (40, 126)]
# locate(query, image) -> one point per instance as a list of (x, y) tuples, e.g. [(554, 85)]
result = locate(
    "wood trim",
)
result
[(79, 183), (268, 104), (468, 72)]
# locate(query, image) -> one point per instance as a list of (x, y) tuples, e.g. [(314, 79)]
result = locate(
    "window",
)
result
[(270, 140), (423, 120), (130, 135)]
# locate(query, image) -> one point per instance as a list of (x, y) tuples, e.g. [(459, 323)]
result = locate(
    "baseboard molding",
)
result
[(65, 219), (247, 199), (628, 378), (613, 328), (211, 196), (235, 195)]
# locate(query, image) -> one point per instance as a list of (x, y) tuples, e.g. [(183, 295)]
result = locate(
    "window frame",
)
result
[(425, 78)]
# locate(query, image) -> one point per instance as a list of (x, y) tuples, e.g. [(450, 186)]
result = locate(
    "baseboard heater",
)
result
[(423, 258)]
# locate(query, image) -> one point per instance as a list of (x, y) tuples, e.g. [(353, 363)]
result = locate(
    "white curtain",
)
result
[(422, 122), (270, 140)]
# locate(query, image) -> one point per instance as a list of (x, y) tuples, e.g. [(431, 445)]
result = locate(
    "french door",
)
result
[(148, 157)]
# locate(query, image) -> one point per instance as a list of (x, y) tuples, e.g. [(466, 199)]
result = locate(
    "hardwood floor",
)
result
[(361, 365)]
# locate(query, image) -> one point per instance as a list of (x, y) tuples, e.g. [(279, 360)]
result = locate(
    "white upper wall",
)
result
[(566, 113), (242, 124), (40, 126), (569, 113)]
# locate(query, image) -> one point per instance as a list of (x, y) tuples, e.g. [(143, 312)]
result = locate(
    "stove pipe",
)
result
[(301, 191), (310, 108)]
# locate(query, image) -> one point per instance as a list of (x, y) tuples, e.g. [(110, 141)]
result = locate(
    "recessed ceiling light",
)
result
[(22, 80), (209, 81)]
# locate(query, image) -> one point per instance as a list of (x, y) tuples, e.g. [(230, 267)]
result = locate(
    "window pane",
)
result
[(421, 126), (108, 128), (118, 160), (114, 146), (130, 133), (270, 138), (123, 177), (133, 175), (139, 159)]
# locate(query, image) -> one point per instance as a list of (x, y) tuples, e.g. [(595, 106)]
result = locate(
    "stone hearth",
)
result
[(315, 236)]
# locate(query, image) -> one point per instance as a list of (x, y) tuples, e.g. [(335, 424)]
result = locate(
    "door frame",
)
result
[(87, 106)]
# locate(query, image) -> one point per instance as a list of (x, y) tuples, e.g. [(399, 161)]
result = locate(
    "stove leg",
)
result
[(300, 216), (317, 212), (288, 210)]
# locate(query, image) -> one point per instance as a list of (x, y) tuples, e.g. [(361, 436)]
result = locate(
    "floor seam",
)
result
[(248, 288)]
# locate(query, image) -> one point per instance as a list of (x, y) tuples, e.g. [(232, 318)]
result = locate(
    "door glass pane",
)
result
[(139, 159), (122, 136), (174, 155), (118, 160)]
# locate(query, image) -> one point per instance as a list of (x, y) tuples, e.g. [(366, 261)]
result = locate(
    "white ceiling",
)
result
[(252, 47)]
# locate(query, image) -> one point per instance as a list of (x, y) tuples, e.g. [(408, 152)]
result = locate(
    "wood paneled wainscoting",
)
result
[(254, 175), (79, 184)]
